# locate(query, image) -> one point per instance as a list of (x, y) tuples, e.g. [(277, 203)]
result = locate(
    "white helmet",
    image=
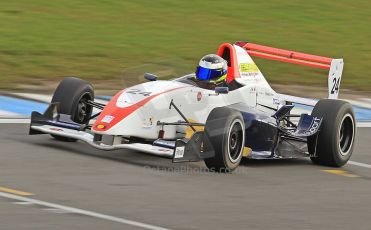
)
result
[(212, 68)]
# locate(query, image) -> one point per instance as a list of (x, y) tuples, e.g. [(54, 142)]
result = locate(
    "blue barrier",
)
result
[(21, 106)]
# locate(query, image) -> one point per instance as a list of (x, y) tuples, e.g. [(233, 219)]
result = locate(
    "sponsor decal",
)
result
[(249, 69), (107, 119), (179, 152), (147, 122), (199, 96), (315, 125)]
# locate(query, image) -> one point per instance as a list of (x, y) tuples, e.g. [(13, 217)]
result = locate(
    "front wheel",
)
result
[(225, 130), (72, 95), (336, 137)]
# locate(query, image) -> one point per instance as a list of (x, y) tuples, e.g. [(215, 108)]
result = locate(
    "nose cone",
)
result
[(117, 110), (129, 101)]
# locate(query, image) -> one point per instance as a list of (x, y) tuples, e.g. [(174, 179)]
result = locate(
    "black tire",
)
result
[(337, 133), (72, 94), (225, 133)]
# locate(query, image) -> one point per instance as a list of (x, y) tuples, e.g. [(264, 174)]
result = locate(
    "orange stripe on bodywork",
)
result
[(120, 113)]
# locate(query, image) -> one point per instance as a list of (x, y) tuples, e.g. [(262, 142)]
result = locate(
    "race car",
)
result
[(188, 121)]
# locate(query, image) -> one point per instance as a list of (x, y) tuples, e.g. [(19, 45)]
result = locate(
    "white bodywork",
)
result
[(136, 111), (196, 103)]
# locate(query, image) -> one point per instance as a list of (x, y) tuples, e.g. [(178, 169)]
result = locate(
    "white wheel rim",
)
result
[(242, 143), (345, 143)]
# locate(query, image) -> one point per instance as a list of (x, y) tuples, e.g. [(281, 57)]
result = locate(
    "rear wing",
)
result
[(335, 66)]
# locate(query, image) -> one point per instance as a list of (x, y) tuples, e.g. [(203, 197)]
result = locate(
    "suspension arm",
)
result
[(95, 104)]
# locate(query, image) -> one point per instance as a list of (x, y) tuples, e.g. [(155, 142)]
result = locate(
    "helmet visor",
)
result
[(205, 74)]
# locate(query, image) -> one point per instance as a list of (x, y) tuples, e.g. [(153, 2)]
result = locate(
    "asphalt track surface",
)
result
[(91, 189)]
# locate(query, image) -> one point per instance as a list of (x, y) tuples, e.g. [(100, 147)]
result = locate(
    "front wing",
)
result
[(89, 139)]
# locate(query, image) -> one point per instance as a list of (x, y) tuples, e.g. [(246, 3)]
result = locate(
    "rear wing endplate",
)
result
[(335, 66)]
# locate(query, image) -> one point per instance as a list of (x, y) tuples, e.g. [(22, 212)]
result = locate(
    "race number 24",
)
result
[(335, 85), (138, 91)]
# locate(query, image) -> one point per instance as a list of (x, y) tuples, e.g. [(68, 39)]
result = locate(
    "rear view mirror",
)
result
[(221, 90), (150, 77)]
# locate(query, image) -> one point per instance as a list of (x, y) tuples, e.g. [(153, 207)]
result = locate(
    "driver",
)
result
[(212, 69)]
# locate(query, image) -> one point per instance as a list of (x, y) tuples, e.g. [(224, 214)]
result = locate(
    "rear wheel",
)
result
[(337, 133), (225, 130), (72, 95)]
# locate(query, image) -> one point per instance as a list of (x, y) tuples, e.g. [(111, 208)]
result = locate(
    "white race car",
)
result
[(189, 120)]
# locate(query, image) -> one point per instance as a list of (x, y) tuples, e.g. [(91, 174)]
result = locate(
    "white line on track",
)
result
[(56, 210), (22, 203), (14, 121), (81, 212), (363, 124), (359, 164)]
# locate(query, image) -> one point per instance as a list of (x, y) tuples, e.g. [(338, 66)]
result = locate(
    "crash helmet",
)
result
[(212, 68)]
